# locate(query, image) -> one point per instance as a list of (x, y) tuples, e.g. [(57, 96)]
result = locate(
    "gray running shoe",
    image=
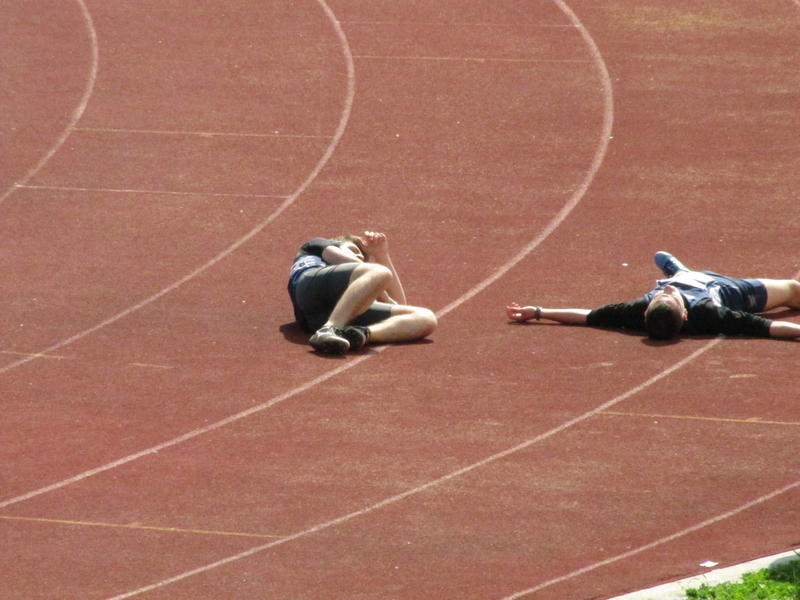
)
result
[(357, 336), (330, 340)]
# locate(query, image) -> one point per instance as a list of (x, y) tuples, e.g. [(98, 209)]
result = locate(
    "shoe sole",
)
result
[(331, 346), (356, 339)]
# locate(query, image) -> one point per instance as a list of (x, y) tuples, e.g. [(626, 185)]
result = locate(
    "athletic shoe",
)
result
[(330, 340), (668, 264), (357, 336)]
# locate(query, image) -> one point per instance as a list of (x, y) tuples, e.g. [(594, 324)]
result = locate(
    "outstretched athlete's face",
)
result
[(671, 296)]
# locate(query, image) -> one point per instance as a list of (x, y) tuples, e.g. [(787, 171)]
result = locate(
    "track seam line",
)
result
[(138, 526), (464, 24), (157, 192), (472, 59), (750, 421), (208, 134)]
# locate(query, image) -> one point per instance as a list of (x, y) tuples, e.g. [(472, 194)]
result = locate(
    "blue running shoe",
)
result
[(668, 264)]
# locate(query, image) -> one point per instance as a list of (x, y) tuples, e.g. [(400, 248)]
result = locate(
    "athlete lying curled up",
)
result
[(346, 292)]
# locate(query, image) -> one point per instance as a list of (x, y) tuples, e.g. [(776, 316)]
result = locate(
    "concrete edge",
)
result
[(677, 589)]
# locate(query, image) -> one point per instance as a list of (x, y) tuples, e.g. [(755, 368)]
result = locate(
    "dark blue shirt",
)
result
[(309, 257), (709, 301)]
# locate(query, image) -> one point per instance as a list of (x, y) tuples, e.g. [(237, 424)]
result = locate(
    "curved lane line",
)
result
[(574, 200), (76, 114), (253, 232), (526, 250), (599, 157), (187, 436), (394, 499), (289, 200), (674, 536), (659, 542), (423, 487), (681, 533)]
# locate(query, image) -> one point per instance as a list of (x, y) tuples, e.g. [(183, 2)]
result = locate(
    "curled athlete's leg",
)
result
[(367, 282), (406, 323)]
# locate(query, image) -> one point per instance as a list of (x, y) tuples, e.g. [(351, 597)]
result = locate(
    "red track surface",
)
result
[(168, 434)]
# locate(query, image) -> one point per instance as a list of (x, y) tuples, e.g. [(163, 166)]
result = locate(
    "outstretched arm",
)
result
[(784, 329), (567, 316)]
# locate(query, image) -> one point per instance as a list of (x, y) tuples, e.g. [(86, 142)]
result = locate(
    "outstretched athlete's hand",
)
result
[(375, 244), (519, 313)]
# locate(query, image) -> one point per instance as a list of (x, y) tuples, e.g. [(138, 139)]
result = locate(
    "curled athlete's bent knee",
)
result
[(372, 270), (794, 286), (427, 321)]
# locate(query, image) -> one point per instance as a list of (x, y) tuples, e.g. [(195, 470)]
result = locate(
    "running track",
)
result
[(167, 433)]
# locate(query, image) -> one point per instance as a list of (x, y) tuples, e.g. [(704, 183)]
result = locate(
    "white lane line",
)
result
[(423, 487), (605, 135), (185, 437), (600, 154), (562, 215), (77, 113), (32, 354), (253, 232), (323, 161), (659, 542)]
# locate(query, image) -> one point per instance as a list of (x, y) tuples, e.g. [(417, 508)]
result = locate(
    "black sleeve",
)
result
[(707, 319), (314, 247), (627, 315)]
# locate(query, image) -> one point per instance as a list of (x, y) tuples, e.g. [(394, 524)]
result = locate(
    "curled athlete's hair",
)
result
[(343, 239)]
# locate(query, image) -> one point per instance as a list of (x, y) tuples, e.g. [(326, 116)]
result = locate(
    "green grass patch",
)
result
[(781, 582)]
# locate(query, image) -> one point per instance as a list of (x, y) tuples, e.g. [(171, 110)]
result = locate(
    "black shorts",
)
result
[(318, 290), (747, 295)]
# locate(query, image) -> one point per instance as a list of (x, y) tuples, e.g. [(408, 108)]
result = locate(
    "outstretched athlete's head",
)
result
[(666, 314)]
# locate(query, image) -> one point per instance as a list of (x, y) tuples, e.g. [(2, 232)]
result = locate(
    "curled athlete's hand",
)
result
[(375, 244)]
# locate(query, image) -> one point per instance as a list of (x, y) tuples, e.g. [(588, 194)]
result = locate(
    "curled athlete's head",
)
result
[(353, 243)]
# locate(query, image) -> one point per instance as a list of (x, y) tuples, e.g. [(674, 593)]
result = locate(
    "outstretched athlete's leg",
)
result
[(782, 292)]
